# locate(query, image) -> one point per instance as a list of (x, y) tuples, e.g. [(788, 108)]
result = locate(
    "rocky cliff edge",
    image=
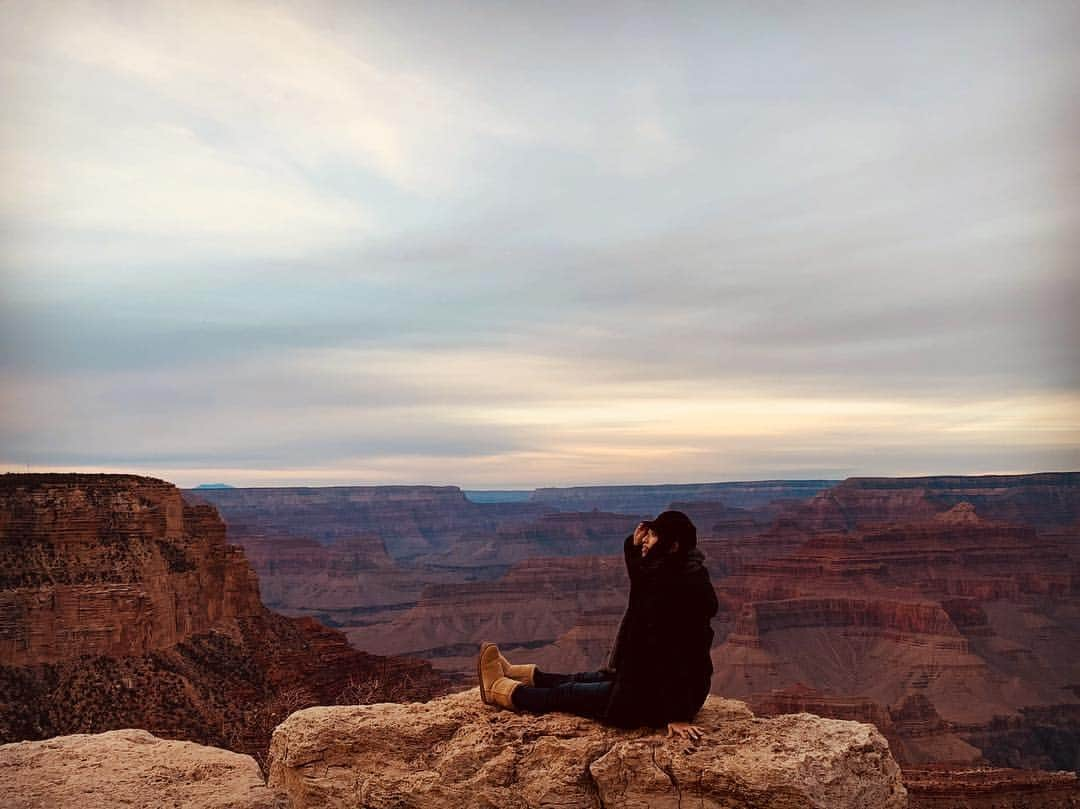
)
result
[(131, 769), (456, 752)]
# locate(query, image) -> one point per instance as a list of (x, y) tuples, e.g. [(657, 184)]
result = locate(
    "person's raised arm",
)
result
[(632, 550)]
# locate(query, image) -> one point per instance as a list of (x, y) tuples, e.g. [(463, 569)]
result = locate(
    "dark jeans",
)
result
[(585, 693)]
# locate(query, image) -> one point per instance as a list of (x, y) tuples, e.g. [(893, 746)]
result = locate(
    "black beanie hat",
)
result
[(674, 526)]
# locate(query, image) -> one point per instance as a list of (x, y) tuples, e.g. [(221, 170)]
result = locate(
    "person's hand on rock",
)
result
[(684, 730)]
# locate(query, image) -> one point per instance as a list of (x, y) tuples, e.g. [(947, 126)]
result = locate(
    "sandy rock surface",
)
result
[(457, 752), (130, 769)]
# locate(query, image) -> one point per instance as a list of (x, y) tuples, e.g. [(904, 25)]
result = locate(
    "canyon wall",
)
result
[(122, 605), (111, 565), (952, 623), (1044, 499)]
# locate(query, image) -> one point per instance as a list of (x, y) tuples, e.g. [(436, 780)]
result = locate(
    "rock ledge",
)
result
[(131, 769), (456, 752)]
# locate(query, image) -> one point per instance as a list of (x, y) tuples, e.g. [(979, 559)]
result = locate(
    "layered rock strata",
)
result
[(532, 612), (978, 616), (353, 581), (123, 606), (1044, 499), (363, 557), (110, 565), (410, 520), (455, 751), (990, 788), (950, 627), (649, 500), (412, 569)]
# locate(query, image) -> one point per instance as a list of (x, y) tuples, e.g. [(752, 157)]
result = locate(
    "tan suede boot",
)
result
[(524, 673), (495, 689), (501, 692)]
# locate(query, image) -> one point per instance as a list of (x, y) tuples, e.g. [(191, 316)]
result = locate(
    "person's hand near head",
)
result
[(640, 533), (645, 538)]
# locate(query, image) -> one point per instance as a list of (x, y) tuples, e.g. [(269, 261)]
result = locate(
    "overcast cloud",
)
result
[(513, 245)]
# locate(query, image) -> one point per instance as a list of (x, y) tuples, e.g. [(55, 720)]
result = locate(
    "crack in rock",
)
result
[(668, 771)]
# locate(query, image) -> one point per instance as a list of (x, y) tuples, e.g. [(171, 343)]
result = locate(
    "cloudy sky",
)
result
[(522, 244)]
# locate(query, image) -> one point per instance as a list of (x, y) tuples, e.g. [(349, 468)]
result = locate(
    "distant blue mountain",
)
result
[(214, 486)]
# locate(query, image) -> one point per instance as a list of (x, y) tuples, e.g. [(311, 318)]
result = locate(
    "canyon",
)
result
[(943, 611), (417, 572)]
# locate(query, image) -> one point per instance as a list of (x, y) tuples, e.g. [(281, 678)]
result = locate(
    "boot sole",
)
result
[(479, 674)]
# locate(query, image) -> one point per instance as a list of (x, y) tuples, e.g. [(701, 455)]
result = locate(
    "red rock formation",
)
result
[(800, 698), (122, 606), (894, 619), (110, 565), (321, 552), (1042, 500), (908, 599), (359, 556), (945, 787)]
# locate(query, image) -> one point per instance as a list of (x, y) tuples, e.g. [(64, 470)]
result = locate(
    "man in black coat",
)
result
[(659, 669)]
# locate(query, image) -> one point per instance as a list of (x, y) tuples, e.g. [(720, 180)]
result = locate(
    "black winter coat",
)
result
[(661, 661)]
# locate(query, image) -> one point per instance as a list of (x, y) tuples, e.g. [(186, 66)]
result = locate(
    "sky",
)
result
[(508, 245)]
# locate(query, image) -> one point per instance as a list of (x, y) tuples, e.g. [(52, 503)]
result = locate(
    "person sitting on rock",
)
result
[(659, 670)]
